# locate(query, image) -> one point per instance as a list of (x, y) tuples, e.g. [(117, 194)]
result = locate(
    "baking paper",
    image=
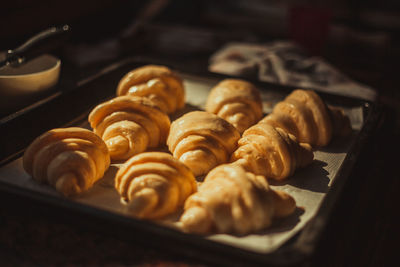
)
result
[(308, 186)]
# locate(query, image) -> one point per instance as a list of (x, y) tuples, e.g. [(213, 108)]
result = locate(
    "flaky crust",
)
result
[(129, 125), (69, 159), (154, 184), (237, 101), (158, 83), (231, 200), (202, 140), (271, 152)]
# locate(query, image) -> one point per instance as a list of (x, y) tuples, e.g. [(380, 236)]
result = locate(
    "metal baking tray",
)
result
[(291, 241)]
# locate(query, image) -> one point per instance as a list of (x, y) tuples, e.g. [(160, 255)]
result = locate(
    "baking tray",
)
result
[(71, 107)]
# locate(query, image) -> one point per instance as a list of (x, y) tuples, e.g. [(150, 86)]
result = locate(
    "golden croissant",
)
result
[(237, 101), (129, 125), (69, 159), (231, 200), (154, 184), (271, 152), (202, 140), (158, 83), (304, 114)]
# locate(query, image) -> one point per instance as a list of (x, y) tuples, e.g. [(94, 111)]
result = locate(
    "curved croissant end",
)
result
[(154, 184), (129, 125), (340, 121), (231, 200), (69, 159), (271, 152), (158, 83), (202, 140), (237, 101)]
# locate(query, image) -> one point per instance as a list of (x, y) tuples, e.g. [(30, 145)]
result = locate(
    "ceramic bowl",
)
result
[(19, 85)]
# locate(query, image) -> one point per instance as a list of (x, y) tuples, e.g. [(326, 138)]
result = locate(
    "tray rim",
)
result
[(296, 250)]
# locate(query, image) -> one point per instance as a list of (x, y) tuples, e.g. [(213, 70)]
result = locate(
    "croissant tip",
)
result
[(117, 146), (67, 184), (196, 220), (307, 155), (142, 202), (341, 122), (284, 204)]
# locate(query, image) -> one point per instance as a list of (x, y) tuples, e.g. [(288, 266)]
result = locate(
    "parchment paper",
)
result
[(308, 186)]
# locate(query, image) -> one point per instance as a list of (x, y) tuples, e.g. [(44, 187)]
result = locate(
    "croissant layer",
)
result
[(158, 83), (202, 140)]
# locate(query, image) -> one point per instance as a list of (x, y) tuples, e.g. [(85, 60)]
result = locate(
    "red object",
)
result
[(309, 27)]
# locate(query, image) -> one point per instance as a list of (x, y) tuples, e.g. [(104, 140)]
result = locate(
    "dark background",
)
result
[(360, 38)]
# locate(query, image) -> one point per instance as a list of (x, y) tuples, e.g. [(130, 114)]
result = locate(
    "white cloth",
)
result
[(285, 63)]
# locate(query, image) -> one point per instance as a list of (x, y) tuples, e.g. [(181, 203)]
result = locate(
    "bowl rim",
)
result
[(52, 68)]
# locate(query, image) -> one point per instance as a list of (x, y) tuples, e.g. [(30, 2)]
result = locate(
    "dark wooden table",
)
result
[(363, 230)]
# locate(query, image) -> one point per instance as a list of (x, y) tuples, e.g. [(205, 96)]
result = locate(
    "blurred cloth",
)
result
[(285, 63)]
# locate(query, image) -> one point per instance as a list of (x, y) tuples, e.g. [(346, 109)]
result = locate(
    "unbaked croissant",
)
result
[(69, 159), (304, 114), (154, 184), (202, 140), (237, 101), (129, 125), (271, 152), (158, 83), (231, 200)]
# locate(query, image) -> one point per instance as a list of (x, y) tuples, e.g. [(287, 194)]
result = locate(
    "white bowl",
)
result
[(19, 85)]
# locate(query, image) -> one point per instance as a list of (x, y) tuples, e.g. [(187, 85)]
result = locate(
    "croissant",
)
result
[(158, 83), (271, 152), (69, 159), (304, 114), (129, 125), (154, 184), (237, 101), (231, 200), (202, 140)]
